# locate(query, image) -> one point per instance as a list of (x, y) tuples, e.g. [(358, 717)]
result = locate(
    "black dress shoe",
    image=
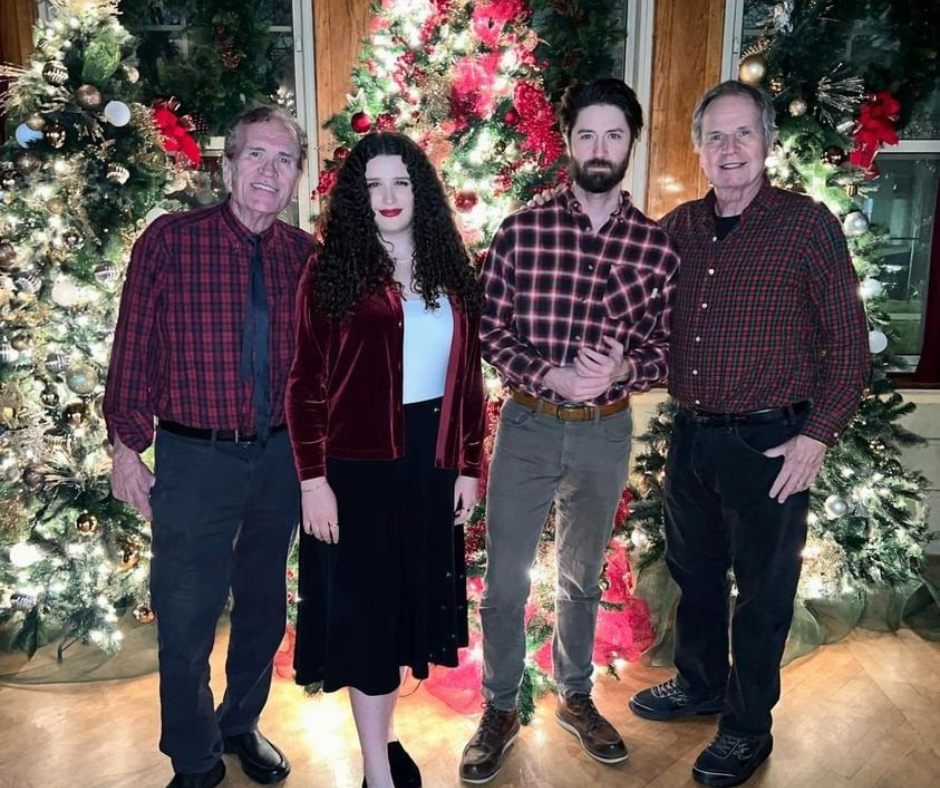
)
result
[(261, 760), (405, 773), (208, 779)]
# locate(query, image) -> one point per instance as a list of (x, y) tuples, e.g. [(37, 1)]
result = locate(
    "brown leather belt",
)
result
[(571, 411)]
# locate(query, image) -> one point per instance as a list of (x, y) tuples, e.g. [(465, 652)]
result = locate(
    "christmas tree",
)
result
[(464, 79), (867, 522), (86, 167)]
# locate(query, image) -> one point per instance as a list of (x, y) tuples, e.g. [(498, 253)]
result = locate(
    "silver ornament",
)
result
[(8, 354), (81, 378), (836, 506), (55, 362), (107, 274), (55, 73), (855, 224), (20, 600), (798, 107)]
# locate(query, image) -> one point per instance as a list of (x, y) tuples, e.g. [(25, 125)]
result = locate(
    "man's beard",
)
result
[(598, 175)]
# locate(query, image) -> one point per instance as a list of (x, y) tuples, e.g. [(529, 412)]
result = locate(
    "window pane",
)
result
[(904, 206)]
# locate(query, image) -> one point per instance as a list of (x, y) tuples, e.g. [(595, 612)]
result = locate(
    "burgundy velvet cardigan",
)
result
[(344, 394)]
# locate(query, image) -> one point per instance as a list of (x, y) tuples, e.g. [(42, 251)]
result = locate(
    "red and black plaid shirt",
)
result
[(770, 315), (553, 286), (177, 347)]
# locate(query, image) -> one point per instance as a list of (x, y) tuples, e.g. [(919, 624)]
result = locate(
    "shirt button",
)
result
[(704, 306), (590, 268), (578, 337), (711, 271), (695, 372), (698, 339), (714, 238), (698, 402)]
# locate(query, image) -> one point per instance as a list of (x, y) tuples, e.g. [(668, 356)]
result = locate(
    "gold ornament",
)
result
[(26, 162), (143, 614), (55, 135), (776, 85), (753, 69), (87, 524), (55, 73), (72, 238), (21, 342), (128, 556), (49, 397), (88, 97), (118, 173), (797, 107), (55, 205), (81, 378), (833, 155), (7, 255), (35, 121), (131, 73), (8, 180)]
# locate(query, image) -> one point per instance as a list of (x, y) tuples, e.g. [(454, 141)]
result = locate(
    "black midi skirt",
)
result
[(392, 592)]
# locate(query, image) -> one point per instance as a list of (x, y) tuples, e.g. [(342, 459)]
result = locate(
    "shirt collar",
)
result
[(239, 230), (767, 199), (570, 203)]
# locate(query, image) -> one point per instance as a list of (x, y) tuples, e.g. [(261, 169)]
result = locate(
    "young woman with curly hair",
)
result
[(385, 410)]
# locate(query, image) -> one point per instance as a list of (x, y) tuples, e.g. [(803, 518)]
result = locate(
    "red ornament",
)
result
[(465, 201), (360, 122), (340, 153), (511, 117), (385, 122)]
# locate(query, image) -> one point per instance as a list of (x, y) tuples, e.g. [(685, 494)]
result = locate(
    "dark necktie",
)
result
[(255, 364)]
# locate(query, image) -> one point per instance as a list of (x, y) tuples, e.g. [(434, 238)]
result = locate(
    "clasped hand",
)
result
[(591, 375)]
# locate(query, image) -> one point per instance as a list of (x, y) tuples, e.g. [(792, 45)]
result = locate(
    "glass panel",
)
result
[(904, 206)]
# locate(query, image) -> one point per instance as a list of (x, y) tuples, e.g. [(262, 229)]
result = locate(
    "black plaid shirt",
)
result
[(770, 315), (553, 285)]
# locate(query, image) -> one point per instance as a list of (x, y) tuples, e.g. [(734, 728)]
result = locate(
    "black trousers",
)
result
[(223, 519), (719, 516)]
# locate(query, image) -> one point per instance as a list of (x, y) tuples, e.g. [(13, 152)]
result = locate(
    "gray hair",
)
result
[(762, 101), (265, 114)]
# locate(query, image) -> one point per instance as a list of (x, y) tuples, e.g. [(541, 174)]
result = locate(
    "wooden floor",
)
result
[(863, 713)]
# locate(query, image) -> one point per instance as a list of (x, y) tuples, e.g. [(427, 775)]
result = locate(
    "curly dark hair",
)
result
[(354, 264)]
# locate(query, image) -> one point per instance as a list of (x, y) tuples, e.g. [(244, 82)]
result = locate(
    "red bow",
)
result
[(875, 127), (175, 130)]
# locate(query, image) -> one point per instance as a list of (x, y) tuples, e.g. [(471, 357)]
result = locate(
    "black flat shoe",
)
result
[(405, 773), (261, 760), (208, 779)]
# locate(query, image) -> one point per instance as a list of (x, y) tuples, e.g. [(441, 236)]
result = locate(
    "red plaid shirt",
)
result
[(770, 315), (177, 346), (553, 285)]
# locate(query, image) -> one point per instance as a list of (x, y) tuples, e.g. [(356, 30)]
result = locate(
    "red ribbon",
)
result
[(875, 127), (175, 130)]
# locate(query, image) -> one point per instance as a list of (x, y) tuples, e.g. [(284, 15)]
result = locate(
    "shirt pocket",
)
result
[(630, 290)]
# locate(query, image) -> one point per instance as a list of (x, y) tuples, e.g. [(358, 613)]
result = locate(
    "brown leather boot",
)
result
[(578, 714), (483, 756)]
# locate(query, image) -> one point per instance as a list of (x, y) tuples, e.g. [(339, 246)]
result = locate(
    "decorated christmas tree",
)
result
[(464, 79), (85, 167), (868, 521)]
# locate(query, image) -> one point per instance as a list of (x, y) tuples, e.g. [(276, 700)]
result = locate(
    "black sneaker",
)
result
[(667, 701), (730, 760)]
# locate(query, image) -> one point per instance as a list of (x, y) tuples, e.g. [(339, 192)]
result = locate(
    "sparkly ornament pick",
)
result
[(88, 97), (360, 123), (55, 135), (797, 107), (87, 524), (26, 162), (855, 224), (118, 173), (55, 73), (753, 69)]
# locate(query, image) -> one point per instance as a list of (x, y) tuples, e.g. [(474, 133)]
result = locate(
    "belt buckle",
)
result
[(570, 406), (238, 435)]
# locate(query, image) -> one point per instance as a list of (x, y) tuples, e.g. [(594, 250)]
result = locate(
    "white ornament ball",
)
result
[(870, 288), (117, 113), (877, 342), (25, 136), (855, 224), (66, 294), (155, 213), (639, 539), (798, 107), (836, 506), (24, 554)]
